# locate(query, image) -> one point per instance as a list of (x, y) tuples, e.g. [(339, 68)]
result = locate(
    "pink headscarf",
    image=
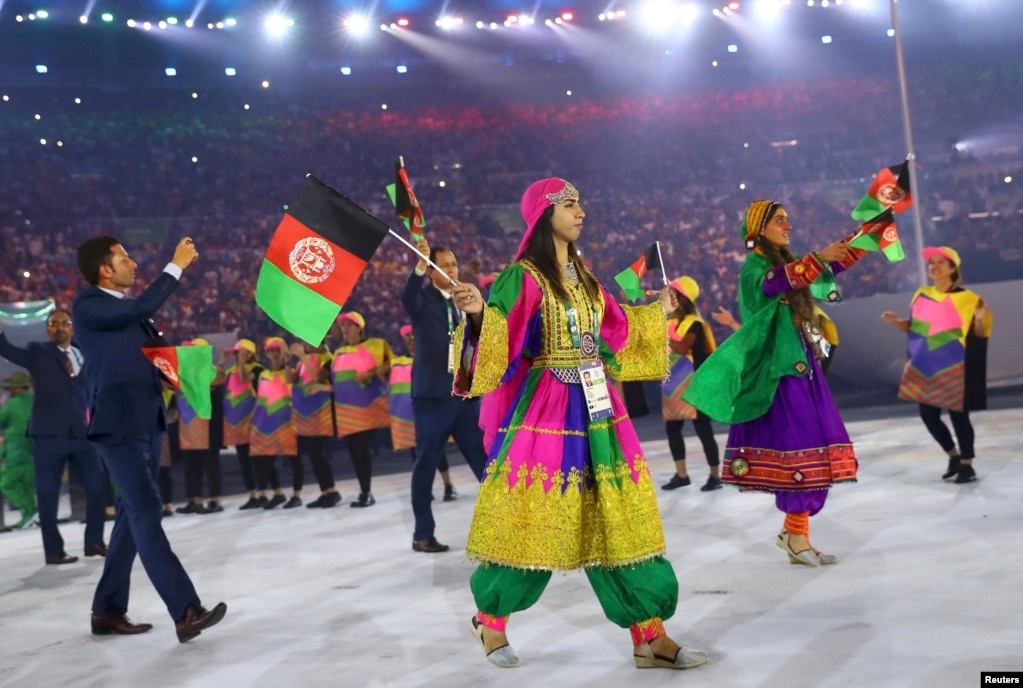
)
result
[(539, 197), (405, 330)]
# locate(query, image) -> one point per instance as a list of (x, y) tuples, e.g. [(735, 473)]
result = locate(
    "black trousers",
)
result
[(931, 416), (314, 447), (703, 430), (362, 458), (197, 462), (245, 464), (266, 472)]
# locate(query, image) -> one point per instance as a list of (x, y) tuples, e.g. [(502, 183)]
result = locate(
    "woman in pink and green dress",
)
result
[(312, 402), (361, 367), (946, 349), (566, 485), (272, 432)]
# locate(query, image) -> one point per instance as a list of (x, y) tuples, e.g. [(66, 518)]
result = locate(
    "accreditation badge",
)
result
[(451, 354), (594, 382)]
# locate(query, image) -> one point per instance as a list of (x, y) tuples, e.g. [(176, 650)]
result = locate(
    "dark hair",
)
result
[(800, 299), (540, 252), (55, 311), (434, 250), (94, 253), (685, 305)]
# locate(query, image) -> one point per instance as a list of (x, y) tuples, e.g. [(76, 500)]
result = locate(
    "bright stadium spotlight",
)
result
[(402, 69), (41, 69), (189, 23), (403, 23), (767, 10), (162, 25), (346, 71), (131, 23), (148, 26), (83, 19), (733, 48), (357, 24), (107, 17), (43, 14), (825, 40), (231, 21), (567, 16), (449, 23), (277, 24), (173, 21), (230, 71), (170, 71)]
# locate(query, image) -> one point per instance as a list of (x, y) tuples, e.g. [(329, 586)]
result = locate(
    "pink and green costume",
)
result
[(563, 491), (360, 406), (239, 405), (272, 431), (313, 412), (399, 400)]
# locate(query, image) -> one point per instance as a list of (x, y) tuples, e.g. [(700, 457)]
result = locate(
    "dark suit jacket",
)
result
[(124, 393), (59, 406), (427, 309)]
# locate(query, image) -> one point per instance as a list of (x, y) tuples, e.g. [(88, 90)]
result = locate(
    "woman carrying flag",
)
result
[(948, 328), (787, 437), (272, 432), (566, 484), (361, 367), (691, 342)]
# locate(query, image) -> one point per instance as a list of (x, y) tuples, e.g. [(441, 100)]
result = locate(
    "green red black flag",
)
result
[(629, 279), (316, 256), (405, 202), (890, 189), (188, 368), (880, 234)]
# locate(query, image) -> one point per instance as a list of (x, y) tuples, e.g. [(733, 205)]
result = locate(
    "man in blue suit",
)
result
[(57, 429), (437, 414), (126, 423)]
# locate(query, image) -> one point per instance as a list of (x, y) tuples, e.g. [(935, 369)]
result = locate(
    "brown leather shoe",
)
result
[(430, 546), (197, 619), (116, 623), (61, 558), (99, 550)]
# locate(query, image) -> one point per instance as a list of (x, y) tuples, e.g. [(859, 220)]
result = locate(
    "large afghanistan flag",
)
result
[(889, 190), (405, 202), (189, 368), (314, 260), (629, 279)]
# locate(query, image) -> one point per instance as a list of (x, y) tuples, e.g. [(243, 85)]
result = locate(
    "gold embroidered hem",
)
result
[(645, 355), (582, 520)]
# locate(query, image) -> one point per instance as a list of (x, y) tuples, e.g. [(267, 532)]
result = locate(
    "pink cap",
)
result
[(405, 330), (539, 197), (354, 317)]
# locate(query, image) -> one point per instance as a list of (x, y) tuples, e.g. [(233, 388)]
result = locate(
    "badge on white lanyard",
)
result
[(591, 372), (451, 337)]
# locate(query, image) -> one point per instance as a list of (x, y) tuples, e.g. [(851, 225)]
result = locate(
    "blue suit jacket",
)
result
[(59, 406), (124, 392), (428, 310)]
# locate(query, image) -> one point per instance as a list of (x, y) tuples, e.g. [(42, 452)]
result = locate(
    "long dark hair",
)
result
[(540, 252), (800, 299)]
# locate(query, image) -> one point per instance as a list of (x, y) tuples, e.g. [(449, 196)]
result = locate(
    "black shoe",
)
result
[(676, 482), (275, 502), (365, 499), (953, 468), (293, 502), (449, 493), (966, 474), (713, 483), (167, 513), (191, 508), (263, 501), (213, 507), (327, 500), (253, 503)]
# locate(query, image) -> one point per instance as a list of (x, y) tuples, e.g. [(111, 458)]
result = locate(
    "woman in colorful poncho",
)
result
[(691, 343), (312, 402), (948, 329), (361, 367), (787, 437), (563, 490), (200, 440), (272, 432)]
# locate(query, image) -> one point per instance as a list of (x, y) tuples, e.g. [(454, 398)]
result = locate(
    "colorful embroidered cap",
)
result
[(352, 316), (945, 252), (756, 219), (405, 330), (687, 286), (246, 344), (539, 197), (274, 343)]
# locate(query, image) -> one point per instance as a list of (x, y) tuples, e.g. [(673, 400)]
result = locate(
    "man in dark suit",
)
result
[(437, 414), (57, 429), (126, 423)]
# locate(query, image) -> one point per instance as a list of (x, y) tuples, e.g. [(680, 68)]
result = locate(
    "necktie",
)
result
[(67, 363)]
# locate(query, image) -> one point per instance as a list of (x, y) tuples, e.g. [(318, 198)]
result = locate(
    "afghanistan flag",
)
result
[(879, 234), (629, 279), (188, 368), (405, 201), (889, 190), (314, 260)]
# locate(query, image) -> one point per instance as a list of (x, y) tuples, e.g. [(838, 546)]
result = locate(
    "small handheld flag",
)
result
[(880, 234), (405, 202), (316, 256), (890, 189), (188, 368), (629, 279)]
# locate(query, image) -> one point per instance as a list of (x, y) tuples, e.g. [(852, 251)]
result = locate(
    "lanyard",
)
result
[(448, 306), (585, 342)]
